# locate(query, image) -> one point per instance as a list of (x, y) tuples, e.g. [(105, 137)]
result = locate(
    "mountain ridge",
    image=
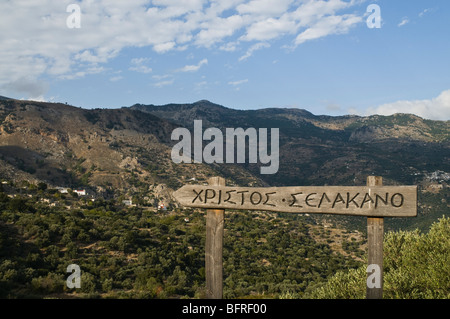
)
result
[(314, 149), (184, 114), (323, 140), (126, 152)]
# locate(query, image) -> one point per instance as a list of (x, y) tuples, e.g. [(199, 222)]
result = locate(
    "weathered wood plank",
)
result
[(375, 238), (214, 247), (370, 201)]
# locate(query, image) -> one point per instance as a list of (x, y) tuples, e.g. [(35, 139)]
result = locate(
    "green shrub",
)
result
[(416, 266)]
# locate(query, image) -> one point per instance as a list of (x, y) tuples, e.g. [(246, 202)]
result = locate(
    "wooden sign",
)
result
[(377, 201), (374, 201)]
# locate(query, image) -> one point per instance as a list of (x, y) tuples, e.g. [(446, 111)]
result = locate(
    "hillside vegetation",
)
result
[(134, 252), (416, 266)]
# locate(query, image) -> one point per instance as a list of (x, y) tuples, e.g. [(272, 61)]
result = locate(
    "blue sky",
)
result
[(244, 54)]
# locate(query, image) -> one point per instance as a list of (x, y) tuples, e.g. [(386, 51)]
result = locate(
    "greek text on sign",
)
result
[(377, 201)]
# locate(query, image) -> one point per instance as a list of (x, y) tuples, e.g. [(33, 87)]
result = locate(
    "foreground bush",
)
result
[(416, 266)]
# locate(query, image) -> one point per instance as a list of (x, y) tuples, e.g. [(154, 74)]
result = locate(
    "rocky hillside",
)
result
[(128, 149), (127, 152), (104, 149), (317, 150)]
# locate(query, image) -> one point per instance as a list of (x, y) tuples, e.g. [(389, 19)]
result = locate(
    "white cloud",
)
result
[(424, 12), (229, 47), (193, 68), (327, 26), (217, 29), (164, 47), (404, 21), (32, 87), (253, 48), (264, 7), (310, 12), (116, 78), (161, 84), (269, 28), (139, 61), (80, 74), (161, 77), (236, 83), (35, 40), (138, 65), (435, 109)]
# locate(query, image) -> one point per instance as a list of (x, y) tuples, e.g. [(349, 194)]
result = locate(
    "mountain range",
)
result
[(128, 150), (330, 150)]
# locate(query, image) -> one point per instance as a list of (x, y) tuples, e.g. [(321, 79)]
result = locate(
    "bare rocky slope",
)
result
[(103, 149)]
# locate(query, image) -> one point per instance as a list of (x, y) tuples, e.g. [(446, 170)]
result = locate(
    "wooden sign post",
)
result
[(214, 247), (375, 238), (374, 201)]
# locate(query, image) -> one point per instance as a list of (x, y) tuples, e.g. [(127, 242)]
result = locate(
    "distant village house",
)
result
[(63, 190), (80, 192), (128, 202)]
